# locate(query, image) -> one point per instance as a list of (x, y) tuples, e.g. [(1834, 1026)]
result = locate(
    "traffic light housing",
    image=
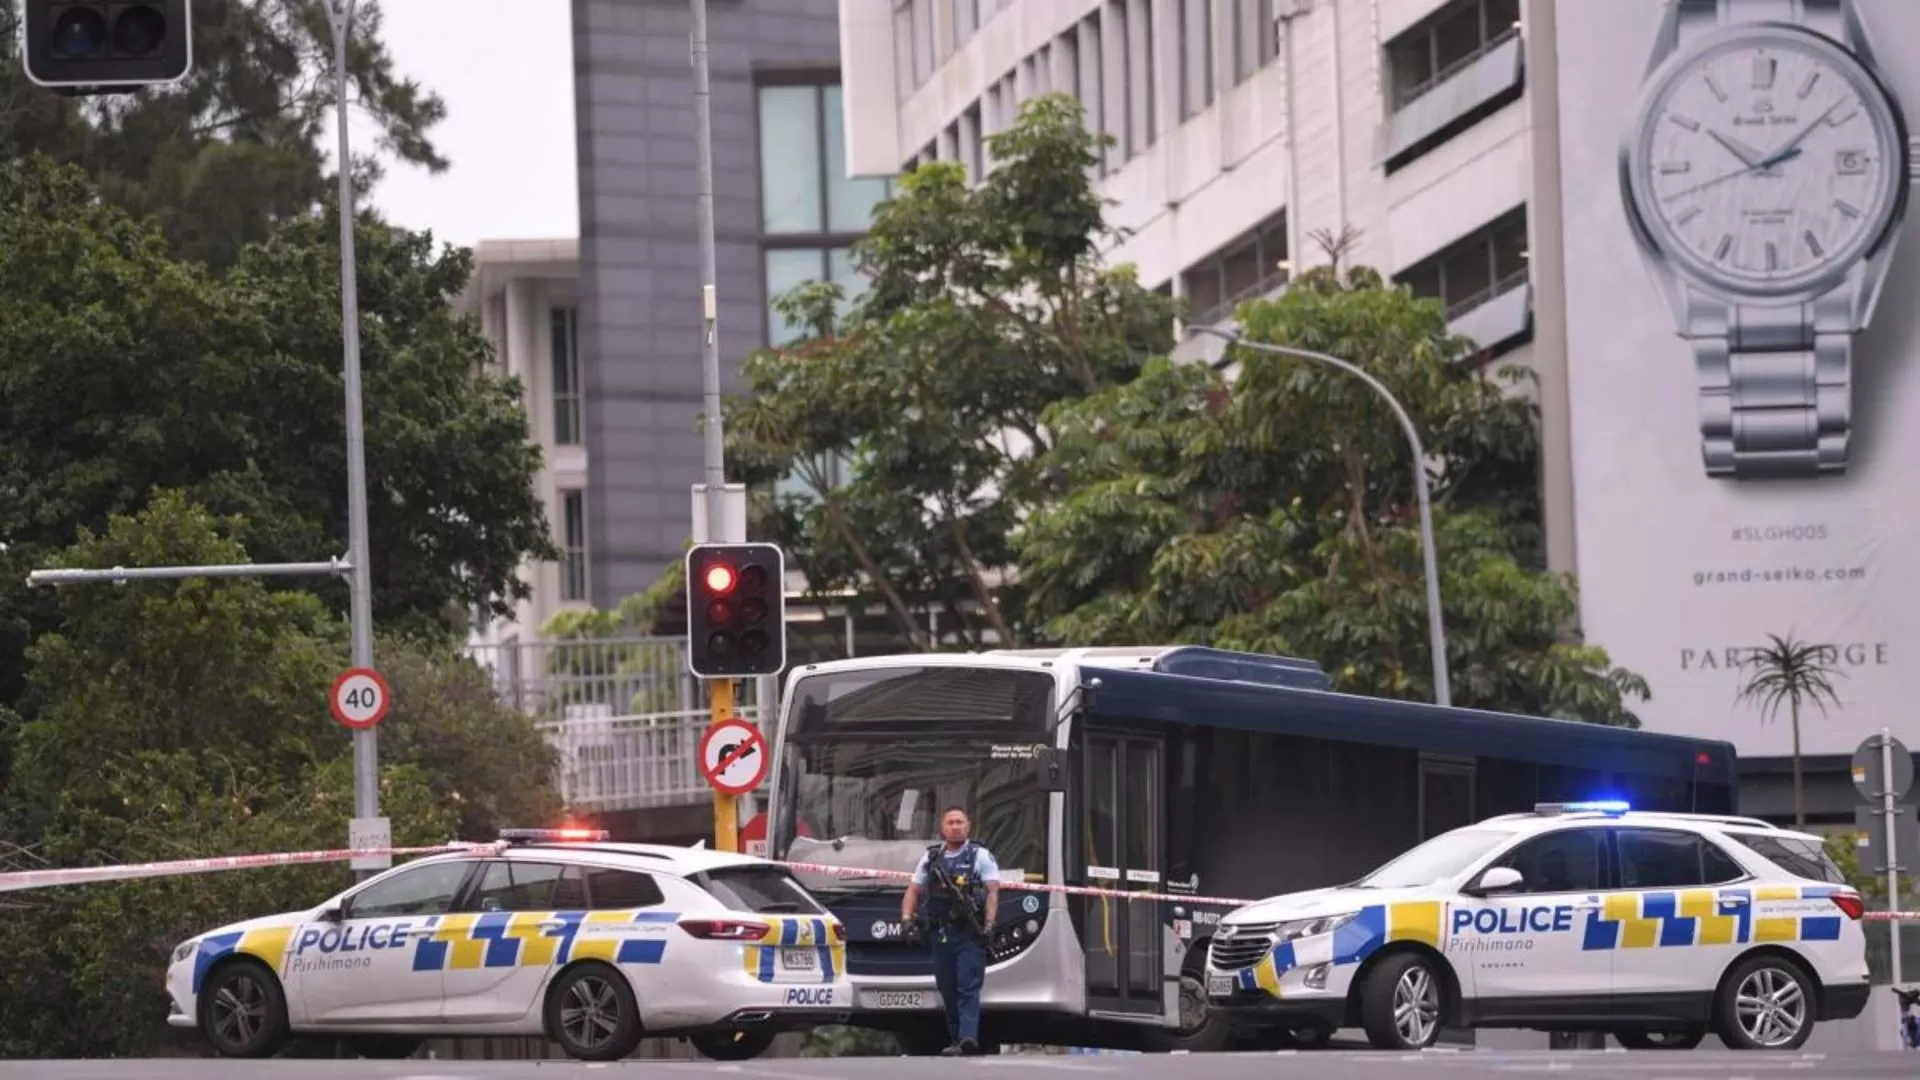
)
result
[(106, 46), (736, 610)]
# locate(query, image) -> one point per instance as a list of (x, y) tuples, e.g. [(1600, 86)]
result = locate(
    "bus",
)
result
[(1174, 770)]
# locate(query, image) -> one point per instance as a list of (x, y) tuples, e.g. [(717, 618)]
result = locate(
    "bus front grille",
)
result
[(1247, 947)]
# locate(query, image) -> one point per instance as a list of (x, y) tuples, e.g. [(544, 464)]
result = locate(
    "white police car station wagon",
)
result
[(591, 944), (1656, 928)]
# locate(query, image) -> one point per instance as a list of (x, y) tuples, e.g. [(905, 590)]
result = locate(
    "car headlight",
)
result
[(184, 950), (1302, 928)]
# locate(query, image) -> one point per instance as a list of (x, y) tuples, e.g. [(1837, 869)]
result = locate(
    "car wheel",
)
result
[(1401, 1003), (383, 1047), (732, 1045), (592, 1014), (1202, 1029), (1765, 1003), (243, 1011), (1685, 1038)]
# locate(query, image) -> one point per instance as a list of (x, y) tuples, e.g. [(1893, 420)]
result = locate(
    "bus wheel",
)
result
[(1201, 1029), (1401, 1003)]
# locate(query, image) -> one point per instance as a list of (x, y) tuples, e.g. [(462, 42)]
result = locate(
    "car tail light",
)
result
[(1850, 903), (726, 929), (839, 932)]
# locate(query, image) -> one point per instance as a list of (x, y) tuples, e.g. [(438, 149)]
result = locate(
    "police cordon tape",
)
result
[(14, 881)]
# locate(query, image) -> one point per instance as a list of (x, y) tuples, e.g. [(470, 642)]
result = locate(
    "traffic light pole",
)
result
[(726, 809)]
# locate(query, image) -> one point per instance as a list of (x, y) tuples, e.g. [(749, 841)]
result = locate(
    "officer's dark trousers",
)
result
[(959, 971)]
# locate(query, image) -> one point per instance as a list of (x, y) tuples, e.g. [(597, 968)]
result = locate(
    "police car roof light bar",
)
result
[(553, 835), (1604, 806)]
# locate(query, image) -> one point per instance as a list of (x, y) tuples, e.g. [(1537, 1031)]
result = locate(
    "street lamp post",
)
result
[(1436, 629), (366, 774)]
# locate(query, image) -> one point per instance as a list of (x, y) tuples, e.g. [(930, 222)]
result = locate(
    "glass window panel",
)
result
[(850, 202), (787, 269), (790, 159)]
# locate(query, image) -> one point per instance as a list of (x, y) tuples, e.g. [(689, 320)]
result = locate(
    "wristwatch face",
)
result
[(1766, 162)]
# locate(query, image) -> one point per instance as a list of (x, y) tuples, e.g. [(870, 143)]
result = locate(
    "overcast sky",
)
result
[(505, 69)]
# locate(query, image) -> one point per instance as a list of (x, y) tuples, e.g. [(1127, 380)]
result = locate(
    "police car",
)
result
[(553, 933), (1657, 928)]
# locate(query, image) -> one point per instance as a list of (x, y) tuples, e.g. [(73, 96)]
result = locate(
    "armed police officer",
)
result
[(961, 882)]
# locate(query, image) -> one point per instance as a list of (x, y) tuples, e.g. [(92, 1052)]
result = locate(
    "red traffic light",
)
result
[(720, 579)]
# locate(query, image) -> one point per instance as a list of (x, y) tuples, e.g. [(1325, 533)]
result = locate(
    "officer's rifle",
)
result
[(954, 893)]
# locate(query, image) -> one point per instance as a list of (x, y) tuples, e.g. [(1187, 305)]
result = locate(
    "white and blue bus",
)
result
[(1174, 770)]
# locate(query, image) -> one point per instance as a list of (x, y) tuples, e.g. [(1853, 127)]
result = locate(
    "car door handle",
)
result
[(553, 926)]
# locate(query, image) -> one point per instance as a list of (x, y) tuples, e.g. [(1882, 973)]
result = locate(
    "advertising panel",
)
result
[(1743, 332)]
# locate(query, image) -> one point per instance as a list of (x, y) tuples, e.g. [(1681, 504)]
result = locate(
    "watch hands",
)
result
[(1764, 166), (1756, 163), (1792, 146), (1748, 155)]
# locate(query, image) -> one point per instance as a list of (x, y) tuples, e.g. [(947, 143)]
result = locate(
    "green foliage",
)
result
[(833, 1040), (240, 145), (122, 370), (911, 414), (181, 719), (1275, 511), (1792, 673)]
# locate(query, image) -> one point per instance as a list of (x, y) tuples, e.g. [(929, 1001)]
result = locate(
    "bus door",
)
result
[(1122, 847)]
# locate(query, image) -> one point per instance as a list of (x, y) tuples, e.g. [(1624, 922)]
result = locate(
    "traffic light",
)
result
[(736, 610), (106, 46)]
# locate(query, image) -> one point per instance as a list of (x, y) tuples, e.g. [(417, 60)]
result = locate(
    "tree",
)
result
[(174, 719), (125, 370), (235, 150), (1794, 673), (1273, 511), (910, 416)]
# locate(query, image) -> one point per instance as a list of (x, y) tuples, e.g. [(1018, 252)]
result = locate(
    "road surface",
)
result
[(1324, 1065)]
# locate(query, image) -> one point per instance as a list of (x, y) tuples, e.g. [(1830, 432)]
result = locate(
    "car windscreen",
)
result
[(763, 890)]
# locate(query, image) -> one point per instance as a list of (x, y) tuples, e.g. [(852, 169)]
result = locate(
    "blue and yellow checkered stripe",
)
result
[(1684, 918), (269, 946), (503, 939), (796, 932), (1375, 926)]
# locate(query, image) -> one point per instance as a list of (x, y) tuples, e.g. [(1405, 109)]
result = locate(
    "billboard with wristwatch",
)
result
[(1743, 334)]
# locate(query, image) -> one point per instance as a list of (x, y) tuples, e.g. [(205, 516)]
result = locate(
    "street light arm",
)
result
[(1436, 628), (1406, 422)]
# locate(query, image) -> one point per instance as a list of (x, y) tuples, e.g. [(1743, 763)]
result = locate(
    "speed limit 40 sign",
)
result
[(360, 698)]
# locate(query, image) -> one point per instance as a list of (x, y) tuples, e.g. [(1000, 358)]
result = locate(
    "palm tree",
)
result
[(1793, 672)]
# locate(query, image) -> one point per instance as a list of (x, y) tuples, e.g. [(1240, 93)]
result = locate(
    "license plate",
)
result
[(1219, 985), (799, 960), (895, 999)]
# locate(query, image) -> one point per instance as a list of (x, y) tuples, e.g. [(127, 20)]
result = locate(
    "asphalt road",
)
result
[(1322, 1065)]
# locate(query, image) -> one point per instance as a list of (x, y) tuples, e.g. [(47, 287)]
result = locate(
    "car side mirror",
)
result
[(333, 914), (1500, 879)]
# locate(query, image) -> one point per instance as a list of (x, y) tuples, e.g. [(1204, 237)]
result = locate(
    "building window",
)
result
[(811, 211), (1472, 271), (1196, 56), (1254, 264), (566, 377), (1442, 45), (1253, 38), (573, 545)]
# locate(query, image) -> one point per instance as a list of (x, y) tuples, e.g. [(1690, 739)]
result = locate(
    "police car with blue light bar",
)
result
[(555, 933), (1656, 928)]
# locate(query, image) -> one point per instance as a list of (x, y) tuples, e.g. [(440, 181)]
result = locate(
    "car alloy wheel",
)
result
[(242, 1012), (1416, 1005), (592, 1013), (1770, 1006)]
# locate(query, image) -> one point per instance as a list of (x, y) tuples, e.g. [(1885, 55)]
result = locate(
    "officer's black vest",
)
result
[(959, 866)]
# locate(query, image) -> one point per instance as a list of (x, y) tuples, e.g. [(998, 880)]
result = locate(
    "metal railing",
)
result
[(624, 714)]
